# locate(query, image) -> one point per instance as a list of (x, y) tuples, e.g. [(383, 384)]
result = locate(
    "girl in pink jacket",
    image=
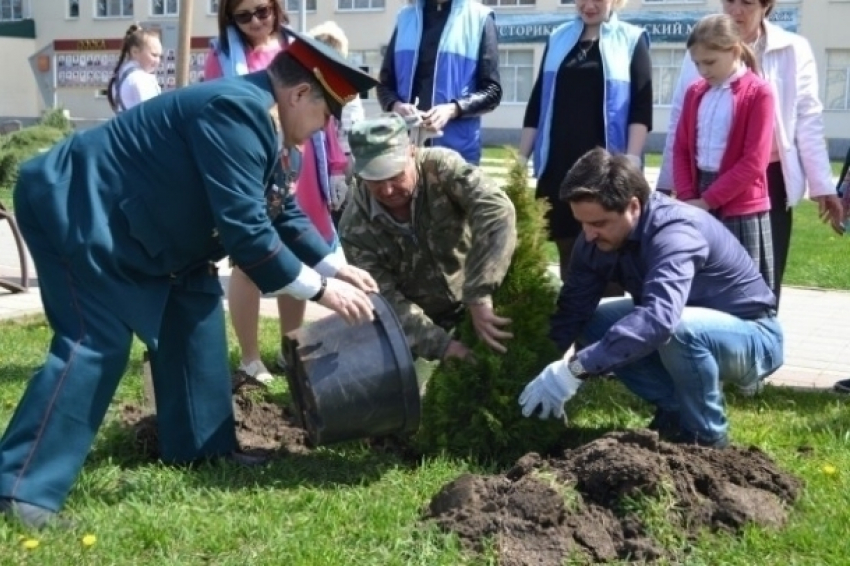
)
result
[(724, 138)]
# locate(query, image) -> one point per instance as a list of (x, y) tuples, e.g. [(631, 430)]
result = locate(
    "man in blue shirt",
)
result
[(699, 313)]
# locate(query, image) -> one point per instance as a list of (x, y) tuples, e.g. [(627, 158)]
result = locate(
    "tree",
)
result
[(471, 407)]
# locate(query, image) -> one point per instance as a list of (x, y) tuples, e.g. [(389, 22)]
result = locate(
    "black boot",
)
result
[(31, 516), (247, 460), (665, 423)]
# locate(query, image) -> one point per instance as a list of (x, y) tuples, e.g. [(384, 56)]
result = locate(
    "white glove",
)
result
[(550, 390), (338, 190), (635, 160)]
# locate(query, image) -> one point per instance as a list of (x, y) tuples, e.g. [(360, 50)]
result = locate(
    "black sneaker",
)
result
[(691, 438), (665, 423), (842, 386)]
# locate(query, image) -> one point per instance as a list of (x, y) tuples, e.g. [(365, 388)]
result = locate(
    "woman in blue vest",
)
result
[(594, 89), (443, 61)]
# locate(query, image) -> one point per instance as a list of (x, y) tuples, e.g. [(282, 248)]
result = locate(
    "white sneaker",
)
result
[(257, 370)]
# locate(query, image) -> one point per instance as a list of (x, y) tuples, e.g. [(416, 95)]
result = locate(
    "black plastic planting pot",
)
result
[(353, 382)]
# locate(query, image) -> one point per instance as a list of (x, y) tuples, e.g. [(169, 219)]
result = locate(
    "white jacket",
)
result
[(789, 66), (134, 86)]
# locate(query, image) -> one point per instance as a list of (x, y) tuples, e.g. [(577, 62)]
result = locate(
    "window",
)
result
[(212, 7), (343, 5), (837, 89), (11, 10), (516, 68), (73, 8), (568, 2), (666, 63), (508, 3), (114, 9), (165, 7), (295, 5), (367, 61)]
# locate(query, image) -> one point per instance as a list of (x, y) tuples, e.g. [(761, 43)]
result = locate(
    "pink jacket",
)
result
[(741, 186), (309, 192), (257, 60)]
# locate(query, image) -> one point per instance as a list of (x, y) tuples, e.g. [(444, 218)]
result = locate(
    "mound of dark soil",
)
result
[(261, 426), (581, 506)]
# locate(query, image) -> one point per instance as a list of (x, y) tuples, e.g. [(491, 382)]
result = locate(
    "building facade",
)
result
[(62, 52)]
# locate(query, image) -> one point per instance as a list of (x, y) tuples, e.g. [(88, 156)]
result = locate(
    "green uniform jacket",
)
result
[(455, 252), (156, 193)]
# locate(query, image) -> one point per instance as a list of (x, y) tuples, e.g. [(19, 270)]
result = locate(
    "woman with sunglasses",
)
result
[(249, 36), (594, 90)]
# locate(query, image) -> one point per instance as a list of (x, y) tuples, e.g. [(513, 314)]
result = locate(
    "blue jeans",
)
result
[(685, 373)]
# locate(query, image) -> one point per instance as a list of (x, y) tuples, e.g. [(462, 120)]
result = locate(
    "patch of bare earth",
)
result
[(261, 426), (575, 507)]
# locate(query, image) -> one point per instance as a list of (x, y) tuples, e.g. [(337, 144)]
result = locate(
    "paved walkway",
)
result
[(817, 328)]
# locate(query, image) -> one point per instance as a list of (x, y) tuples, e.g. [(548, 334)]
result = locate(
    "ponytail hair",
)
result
[(748, 56), (718, 32), (136, 36)]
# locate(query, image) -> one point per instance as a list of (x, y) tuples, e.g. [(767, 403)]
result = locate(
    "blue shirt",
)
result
[(676, 256)]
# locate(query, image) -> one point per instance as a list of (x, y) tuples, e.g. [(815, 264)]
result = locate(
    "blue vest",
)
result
[(617, 42), (454, 72)]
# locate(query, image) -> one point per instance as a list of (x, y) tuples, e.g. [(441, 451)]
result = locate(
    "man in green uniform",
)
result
[(123, 222), (434, 231)]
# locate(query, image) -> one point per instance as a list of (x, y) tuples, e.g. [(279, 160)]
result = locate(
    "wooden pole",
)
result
[(184, 42)]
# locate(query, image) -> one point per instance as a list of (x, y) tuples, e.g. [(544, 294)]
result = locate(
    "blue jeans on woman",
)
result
[(684, 375)]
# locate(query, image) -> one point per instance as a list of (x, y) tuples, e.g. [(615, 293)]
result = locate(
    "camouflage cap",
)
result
[(380, 147)]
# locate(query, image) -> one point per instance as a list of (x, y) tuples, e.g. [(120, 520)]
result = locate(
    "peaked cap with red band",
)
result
[(341, 82)]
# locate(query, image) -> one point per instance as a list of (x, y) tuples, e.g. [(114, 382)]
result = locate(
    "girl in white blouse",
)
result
[(133, 80)]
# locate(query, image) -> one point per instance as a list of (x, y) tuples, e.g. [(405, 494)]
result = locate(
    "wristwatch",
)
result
[(321, 292), (575, 367)]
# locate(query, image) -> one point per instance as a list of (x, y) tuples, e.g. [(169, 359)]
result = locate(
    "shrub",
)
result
[(17, 147), (471, 408), (56, 118)]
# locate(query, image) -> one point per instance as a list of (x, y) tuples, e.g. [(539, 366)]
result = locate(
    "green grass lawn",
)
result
[(347, 505)]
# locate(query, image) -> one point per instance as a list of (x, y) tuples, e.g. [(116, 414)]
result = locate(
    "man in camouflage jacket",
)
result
[(434, 231)]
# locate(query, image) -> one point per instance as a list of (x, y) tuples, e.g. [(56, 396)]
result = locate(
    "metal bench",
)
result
[(22, 285), (11, 126)]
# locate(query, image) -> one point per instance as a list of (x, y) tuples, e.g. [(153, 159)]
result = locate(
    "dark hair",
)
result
[(718, 32), (768, 5), (608, 179), (225, 18), (288, 72), (136, 36)]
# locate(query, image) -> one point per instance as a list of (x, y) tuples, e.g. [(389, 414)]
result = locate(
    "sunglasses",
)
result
[(244, 17)]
